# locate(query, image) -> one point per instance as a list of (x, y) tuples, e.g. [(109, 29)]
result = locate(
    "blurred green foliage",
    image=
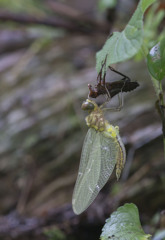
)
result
[(32, 7), (54, 234), (104, 4), (152, 33), (122, 46)]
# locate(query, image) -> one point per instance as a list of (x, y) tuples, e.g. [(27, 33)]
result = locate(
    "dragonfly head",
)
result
[(88, 105)]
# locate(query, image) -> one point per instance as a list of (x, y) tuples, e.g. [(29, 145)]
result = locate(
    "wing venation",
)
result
[(97, 162)]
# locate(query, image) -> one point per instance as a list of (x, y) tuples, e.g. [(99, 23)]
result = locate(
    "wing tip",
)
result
[(76, 210)]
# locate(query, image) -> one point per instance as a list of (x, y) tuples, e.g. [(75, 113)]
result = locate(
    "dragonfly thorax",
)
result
[(96, 120)]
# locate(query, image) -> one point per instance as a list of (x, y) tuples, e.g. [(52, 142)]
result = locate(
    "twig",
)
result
[(51, 21), (160, 106), (27, 19), (74, 14)]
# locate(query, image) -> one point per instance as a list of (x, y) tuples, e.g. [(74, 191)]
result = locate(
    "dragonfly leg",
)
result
[(108, 97), (121, 101), (101, 72), (99, 78), (108, 94), (121, 74), (115, 108)]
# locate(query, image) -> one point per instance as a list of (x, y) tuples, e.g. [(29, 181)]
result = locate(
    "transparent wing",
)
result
[(86, 149), (83, 188), (110, 150), (97, 162)]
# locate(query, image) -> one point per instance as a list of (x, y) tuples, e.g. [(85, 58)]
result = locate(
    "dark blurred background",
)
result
[(47, 59)]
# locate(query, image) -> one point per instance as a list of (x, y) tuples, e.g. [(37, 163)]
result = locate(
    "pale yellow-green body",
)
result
[(102, 150), (96, 120)]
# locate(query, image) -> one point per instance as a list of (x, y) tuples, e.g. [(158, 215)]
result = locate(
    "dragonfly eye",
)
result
[(87, 106)]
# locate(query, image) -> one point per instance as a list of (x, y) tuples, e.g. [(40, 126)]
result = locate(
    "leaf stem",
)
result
[(160, 106), (157, 87)]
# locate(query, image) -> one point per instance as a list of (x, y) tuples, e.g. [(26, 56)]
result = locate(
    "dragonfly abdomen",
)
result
[(120, 158)]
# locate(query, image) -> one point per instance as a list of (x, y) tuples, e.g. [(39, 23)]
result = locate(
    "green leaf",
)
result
[(124, 45), (156, 60), (124, 224), (146, 3)]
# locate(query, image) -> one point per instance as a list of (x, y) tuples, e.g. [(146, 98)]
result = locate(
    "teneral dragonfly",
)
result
[(103, 149)]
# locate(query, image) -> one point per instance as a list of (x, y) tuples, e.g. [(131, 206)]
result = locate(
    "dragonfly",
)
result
[(102, 150)]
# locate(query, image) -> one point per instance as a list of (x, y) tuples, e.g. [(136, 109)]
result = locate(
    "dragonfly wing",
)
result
[(97, 162), (88, 172), (109, 153), (86, 149)]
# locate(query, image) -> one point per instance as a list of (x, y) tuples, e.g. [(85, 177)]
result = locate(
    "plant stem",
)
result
[(160, 105), (164, 146), (157, 87)]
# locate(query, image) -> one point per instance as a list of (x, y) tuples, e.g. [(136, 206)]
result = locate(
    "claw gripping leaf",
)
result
[(102, 150)]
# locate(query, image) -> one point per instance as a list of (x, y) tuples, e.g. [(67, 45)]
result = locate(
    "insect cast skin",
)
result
[(96, 120), (113, 88)]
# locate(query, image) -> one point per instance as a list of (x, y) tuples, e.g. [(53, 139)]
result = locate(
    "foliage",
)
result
[(55, 234), (122, 46), (104, 4), (156, 60), (124, 224), (32, 7), (151, 30)]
